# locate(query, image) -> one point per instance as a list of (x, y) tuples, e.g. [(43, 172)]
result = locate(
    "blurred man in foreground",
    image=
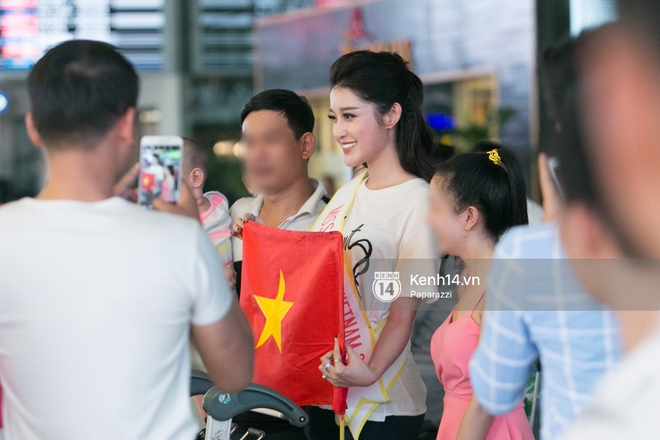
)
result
[(610, 222), (535, 308), (98, 296)]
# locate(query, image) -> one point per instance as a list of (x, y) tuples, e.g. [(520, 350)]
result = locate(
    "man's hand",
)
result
[(123, 187), (186, 205), (237, 229)]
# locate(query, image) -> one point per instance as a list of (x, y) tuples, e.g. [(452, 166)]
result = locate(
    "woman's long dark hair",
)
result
[(496, 190), (382, 79)]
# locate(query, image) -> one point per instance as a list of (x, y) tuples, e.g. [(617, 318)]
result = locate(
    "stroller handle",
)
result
[(224, 406), (200, 383)]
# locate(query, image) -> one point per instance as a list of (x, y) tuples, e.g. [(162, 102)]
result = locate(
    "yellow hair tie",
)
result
[(495, 157)]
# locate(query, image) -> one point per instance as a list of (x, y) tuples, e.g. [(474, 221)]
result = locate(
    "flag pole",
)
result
[(342, 427)]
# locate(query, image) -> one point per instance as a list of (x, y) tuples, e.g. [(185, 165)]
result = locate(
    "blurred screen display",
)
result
[(160, 173), (29, 27)]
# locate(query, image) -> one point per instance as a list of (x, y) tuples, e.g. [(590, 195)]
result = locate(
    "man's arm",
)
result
[(219, 329), (227, 349)]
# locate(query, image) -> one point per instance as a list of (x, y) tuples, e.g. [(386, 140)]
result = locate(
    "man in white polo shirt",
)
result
[(278, 140), (98, 296)]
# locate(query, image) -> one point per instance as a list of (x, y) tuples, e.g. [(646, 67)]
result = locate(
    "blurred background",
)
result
[(201, 60)]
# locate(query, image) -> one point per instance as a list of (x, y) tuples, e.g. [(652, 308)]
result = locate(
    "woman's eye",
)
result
[(332, 117), (348, 116)]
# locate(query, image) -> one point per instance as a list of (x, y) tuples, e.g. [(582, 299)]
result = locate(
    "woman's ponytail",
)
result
[(493, 182), (517, 188), (414, 136)]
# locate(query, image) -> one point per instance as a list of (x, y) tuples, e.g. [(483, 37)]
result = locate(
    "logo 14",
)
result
[(386, 286)]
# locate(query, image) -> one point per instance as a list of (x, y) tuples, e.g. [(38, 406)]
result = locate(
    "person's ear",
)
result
[(126, 127), (307, 145), (392, 117), (124, 138), (32, 132), (197, 178), (471, 215)]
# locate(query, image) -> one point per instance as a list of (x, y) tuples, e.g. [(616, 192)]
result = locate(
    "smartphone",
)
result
[(553, 166), (161, 163)]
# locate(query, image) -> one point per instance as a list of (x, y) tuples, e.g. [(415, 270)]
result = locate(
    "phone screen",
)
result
[(160, 171)]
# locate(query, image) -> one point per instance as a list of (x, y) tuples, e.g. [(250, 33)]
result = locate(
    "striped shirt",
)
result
[(535, 308)]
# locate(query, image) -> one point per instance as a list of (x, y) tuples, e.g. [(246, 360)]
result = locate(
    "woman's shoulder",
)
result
[(415, 192), (419, 186), (350, 186), (414, 188)]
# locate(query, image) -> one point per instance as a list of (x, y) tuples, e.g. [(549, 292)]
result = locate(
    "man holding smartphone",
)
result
[(98, 296)]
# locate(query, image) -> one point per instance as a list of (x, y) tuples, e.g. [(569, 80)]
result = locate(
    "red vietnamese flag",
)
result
[(292, 294)]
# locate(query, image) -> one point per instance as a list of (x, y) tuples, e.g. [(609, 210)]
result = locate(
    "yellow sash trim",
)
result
[(363, 177), (374, 404), (372, 334), (358, 429), (384, 388)]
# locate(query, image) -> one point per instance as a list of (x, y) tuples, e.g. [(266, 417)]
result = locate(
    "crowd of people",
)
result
[(100, 298)]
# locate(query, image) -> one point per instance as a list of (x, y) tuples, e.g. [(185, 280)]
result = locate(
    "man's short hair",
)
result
[(78, 90), (560, 90), (294, 108), (559, 79), (193, 156), (640, 19), (557, 75)]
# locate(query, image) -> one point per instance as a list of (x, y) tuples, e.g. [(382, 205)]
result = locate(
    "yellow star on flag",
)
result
[(274, 310)]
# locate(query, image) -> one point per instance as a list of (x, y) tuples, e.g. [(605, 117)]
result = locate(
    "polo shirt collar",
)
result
[(309, 207)]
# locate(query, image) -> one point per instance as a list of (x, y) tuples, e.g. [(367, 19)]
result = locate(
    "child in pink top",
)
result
[(213, 206)]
